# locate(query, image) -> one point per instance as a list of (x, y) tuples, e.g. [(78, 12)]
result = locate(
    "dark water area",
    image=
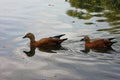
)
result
[(45, 18)]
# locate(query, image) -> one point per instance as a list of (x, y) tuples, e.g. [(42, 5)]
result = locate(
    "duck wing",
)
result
[(58, 36)]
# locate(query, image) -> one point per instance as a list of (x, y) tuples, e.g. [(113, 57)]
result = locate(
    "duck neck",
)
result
[(32, 39), (87, 41)]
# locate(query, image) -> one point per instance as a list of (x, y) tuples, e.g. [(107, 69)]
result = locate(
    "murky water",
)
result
[(44, 18)]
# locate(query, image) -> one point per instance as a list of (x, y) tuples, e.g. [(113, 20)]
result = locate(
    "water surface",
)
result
[(44, 18)]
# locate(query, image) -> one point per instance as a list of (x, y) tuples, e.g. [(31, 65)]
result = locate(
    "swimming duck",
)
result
[(54, 41), (99, 43)]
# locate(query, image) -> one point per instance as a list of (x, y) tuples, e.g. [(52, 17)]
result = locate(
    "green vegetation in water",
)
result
[(96, 6), (89, 5), (89, 23), (115, 23), (97, 15), (109, 9), (78, 14), (114, 30), (101, 20), (112, 16)]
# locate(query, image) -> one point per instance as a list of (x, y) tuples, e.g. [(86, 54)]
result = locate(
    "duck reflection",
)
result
[(100, 50), (43, 49), (31, 52)]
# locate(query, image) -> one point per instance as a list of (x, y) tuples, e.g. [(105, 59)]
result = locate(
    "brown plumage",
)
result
[(45, 42), (100, 43)]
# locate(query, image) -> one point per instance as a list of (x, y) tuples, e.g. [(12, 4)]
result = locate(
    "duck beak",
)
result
[(25, 37), (82, 39)]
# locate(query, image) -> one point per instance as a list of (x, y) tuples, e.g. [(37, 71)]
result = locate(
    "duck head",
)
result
[(86, 39), (30, 36)]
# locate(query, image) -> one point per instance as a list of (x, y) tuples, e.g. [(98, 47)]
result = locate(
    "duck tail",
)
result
[(63, 40), (58, 36), (111, 38), (111, 43)]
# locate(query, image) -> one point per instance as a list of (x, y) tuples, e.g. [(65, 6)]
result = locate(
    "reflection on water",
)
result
[(114, 30), (31, 52), (43, 49), (108, 50), (103, 8), (47, 18)]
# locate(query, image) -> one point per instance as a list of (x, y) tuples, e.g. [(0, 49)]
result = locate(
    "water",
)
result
[(47, 18)]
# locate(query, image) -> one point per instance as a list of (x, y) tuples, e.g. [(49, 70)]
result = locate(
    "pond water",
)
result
[(45, 18)]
